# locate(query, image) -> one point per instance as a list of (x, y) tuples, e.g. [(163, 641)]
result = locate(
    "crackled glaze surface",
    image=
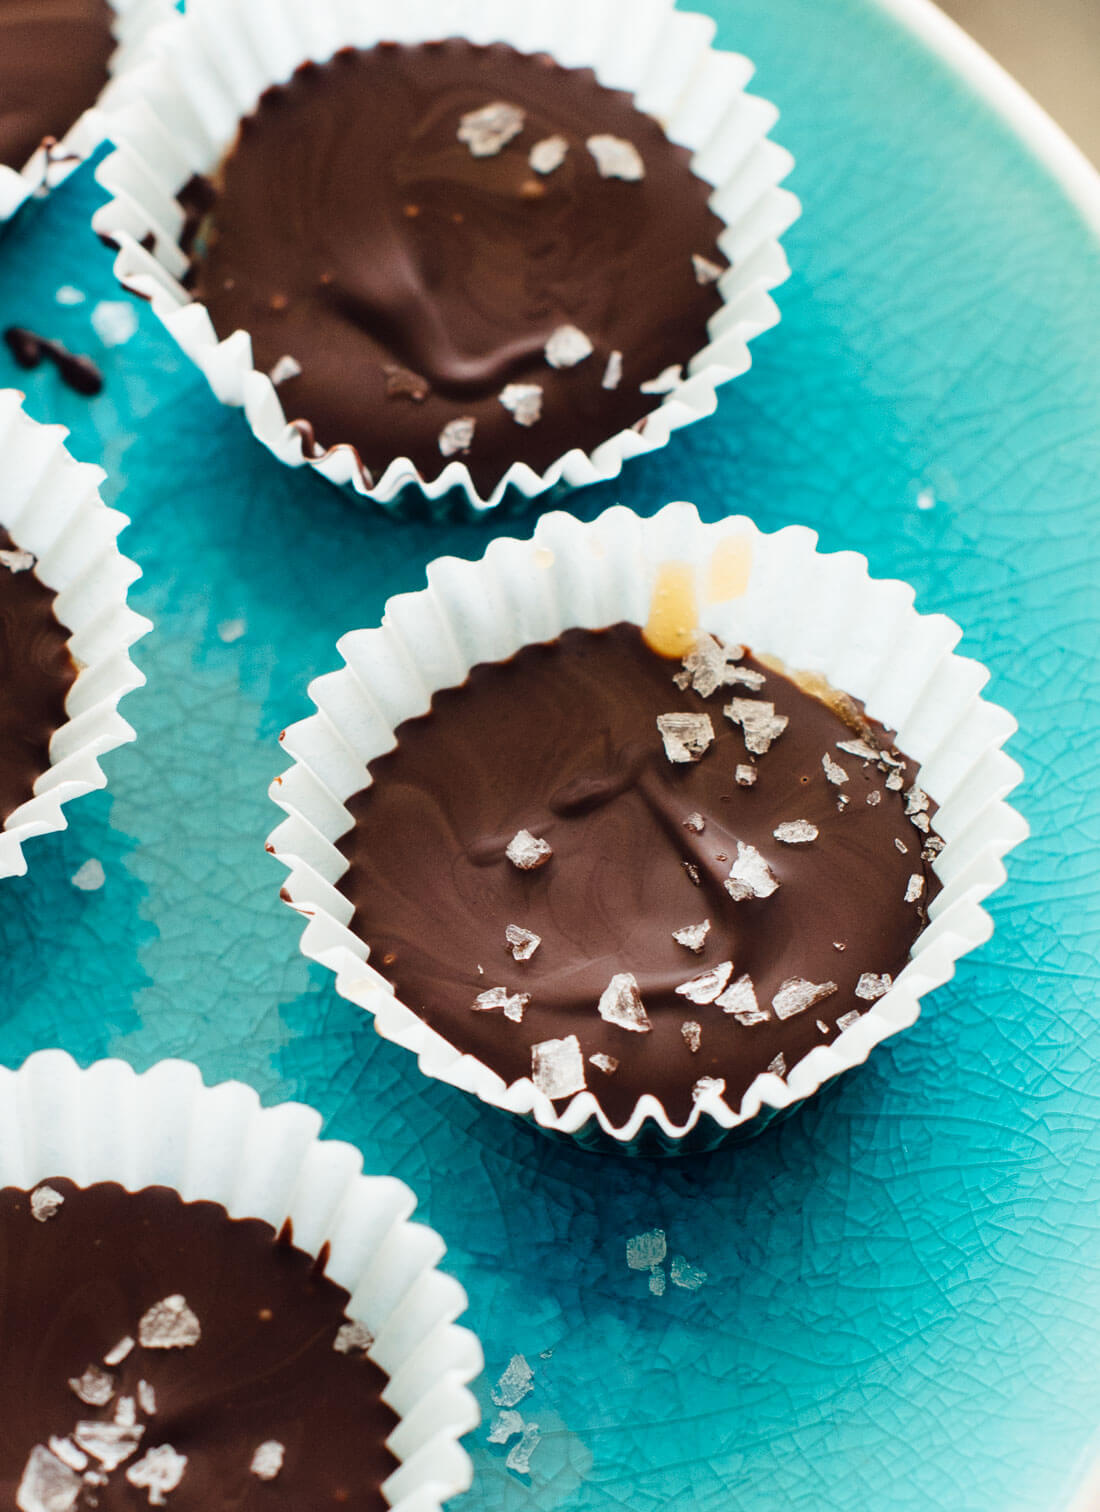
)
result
[(902, 1305)]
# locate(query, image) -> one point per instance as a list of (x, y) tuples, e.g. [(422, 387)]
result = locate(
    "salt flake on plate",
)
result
[(797, 994), (621, 1003), (519, 1456), (707, 986), (489, 130), (644, 1251), (685, 1275), (514, 1384), (557, 1067), (507, 1424)]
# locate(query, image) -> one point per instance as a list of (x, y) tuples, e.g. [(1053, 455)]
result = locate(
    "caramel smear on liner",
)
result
[(673, 622), (730, 568)]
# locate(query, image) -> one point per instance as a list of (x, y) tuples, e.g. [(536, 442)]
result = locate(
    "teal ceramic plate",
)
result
[(901, 1308)]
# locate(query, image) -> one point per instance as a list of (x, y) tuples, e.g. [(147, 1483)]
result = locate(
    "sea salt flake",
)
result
[(750, 875), (526, 852), (796, 995), (567, 347), (858, 748), (89, 877), (902, 847), (616, 158), (524, 942), (489, 130), (510, 1004), (126, 1412), (747, 676), (823, 1026), (657, 1281), (114, 321), (621, 1003), (778, 1066), (915, 888), (605, 1063), (685, 1275), (47, 1484), (613, 374), (740, 1000), (118, 1353), (895, 782), (707, 1087), (874, 798), (704, 666), (932, 848), (871, 987), (916, 801), (169, 1325), (759, 721), (514, 1384), (842, 803), (506, 1425), (353, 1337), (519, 1456), (147, 1398), (267, 1460), (686, 737), (745, 775), (523, 401), (834, 772), (69, 295), (18, 561), (693, 872), (692, 936), (644, 1251), (839, 945), (557, 1067), (285, 369), (95, 1387), (67, 1452), (158, 1472), (231, 630), (796, 832), (707, 986), (921, 822), (692, 1034), (706, 272), (457, 436), (548, 155), (45, 1203), (696, 823), (112, 1444), (846, 1020), (665, 382)]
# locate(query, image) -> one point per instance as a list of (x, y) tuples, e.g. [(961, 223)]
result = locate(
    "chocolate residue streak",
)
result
[(562, 741), (30, 350), (399, 247), (36, 673), (53, 65), (264, 1367)]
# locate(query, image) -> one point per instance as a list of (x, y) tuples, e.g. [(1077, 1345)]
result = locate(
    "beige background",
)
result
[(1052, 47)]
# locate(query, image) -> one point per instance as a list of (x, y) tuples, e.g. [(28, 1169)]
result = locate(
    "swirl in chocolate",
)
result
[(53, 65), (467, 252), (718, 871)]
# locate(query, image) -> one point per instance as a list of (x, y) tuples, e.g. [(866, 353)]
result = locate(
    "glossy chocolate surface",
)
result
[(562, 741), (36, 673), (413, 281), (263, 1371), (53, 65)]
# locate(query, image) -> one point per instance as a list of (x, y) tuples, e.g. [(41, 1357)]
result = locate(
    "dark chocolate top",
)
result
[(413, 281), (264, 1370), (53, 65), (36, 673), (562, 741)]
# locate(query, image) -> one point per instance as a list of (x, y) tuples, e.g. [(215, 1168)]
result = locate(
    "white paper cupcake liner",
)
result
[(52, 163), (218, 1144), (50, 505), (210, 71), (775, 593)]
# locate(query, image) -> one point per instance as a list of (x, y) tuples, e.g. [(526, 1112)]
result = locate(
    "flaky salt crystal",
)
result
[(874, 798), (834, 772), (548, 155), (895, 782), (706, 272), (858, 748), (696, 823), (846, 1020), (759, 721), (519, 1456), (111, 1444), (705, 987), (457, 436), (353, 1337), (95, 1387), (489, 130), (693, 873), (740, 1000), (45, 1203), (796, 832), (147, 1398), (158, 1472), (685, 1275), (657, 1281), (67, 1452), (915, 888), (745, 774), (916, 801), (505, 1425), (796, 995), (750, 875), (932, 848), (524, 942), (870, 987), (526, 852), (567, 347), (125, 1412), (511, 1004), (902, 847), (514, 1384), (613, 373), (47, 1484), (621, 1003), (708, 1087), (746, 676), (169, 1325), (605, 1063), (616, 158), (119, 1351), (921, 822), (267, 1460), (18, 561), (557, 1067), (692, 936), (665, 382), (686, 737), (778, 1066), (284, 370), (703, 666), (523, 401), (644, 1251), (692, 1033)]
